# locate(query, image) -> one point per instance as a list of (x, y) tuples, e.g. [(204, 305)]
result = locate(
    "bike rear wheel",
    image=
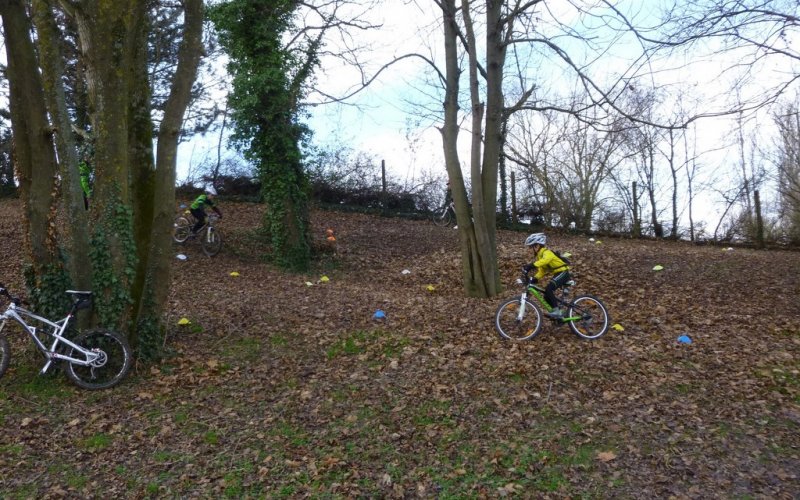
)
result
[(182, 228), (509, 325), (5, 355), (109, 368), (593, 322), (443, 219), (212, 241)]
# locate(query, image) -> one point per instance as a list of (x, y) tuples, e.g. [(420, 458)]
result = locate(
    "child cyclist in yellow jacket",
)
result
[(545, 261)]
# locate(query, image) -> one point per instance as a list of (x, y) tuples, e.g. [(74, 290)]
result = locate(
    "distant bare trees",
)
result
[(788, 169), (565, 163)]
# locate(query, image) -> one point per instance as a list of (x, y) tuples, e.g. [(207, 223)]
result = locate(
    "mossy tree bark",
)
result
[(126, 233), (34, 154), (76, 228)]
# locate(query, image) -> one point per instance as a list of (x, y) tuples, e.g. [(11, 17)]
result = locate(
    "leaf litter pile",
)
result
[(294, 385)]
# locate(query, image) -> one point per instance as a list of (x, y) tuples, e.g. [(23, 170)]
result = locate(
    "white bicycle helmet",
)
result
[(211, 190), (536, 239)]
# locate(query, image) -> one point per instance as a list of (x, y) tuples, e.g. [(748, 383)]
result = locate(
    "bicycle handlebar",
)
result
[(15, 300)]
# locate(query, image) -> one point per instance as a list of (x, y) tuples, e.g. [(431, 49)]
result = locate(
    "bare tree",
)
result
[(571, 166), (500, 55), (755, 36), (788, 168)]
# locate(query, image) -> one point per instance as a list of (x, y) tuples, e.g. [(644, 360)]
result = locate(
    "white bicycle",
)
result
[(96, 359), (209, 235)]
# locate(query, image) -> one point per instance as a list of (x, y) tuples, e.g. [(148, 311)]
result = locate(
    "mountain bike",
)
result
[(96, 359), (521, 318), (209, 235), (445, 216)]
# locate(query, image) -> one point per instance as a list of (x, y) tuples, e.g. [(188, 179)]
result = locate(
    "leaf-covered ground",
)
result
[(277, 388)]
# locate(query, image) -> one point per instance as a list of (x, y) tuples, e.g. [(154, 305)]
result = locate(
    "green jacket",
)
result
[(85, 172), (201, 202)]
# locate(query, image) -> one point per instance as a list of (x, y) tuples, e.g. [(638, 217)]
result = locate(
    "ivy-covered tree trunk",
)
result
[(265, 116), (126, 232), (109, 36), (34, 157)]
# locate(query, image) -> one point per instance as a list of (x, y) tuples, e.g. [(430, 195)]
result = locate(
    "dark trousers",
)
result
[(555, 283), (200, 216)]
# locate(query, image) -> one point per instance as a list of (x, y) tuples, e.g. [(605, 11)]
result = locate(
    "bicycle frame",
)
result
[(18, 314), (538, 292), (208, 225)]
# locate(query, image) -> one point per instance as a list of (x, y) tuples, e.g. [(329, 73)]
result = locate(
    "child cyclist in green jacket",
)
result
[(198, 208), (546, 262)]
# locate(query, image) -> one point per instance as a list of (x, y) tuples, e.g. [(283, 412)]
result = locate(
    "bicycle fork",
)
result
[(522, 301)]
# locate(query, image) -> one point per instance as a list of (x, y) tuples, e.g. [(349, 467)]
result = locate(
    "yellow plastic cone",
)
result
[(184, 321)]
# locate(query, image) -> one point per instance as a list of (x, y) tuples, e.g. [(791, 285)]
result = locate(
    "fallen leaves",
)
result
[(292, 388), (606, 456)]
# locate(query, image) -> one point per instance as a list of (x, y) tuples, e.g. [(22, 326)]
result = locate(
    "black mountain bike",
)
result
[(521, 318)]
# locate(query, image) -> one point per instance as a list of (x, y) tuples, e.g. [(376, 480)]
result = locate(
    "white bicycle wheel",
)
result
[(511, 326), (591, 317)]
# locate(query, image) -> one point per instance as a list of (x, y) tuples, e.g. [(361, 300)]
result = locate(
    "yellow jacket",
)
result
[(547, 262)]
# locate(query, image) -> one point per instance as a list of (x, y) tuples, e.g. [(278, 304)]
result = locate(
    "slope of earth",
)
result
[(285, 385)]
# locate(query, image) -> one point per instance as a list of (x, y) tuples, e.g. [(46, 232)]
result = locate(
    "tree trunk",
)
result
[(759, 220), (513, 199), (503, 175), (651, 194), (674, 231), (153, 299), (449, 132), (142, 166), (109, 33), (34, 157), (76, 230), (637, 220)]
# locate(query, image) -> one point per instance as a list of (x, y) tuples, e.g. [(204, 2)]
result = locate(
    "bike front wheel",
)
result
[(591, 317), (512, 325), (109, 368), (212, 241), (5, 355), (181, 229)]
